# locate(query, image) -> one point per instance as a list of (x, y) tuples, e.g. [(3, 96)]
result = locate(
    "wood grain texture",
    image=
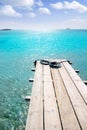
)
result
[(68, 118), (77, 81), (35, 114), (52, 120), (78, 103), (59, 99)]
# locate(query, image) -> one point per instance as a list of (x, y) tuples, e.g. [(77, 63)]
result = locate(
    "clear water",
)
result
[(18, 50)]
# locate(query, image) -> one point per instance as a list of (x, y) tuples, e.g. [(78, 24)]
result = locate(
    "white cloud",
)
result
[(76, 22), (31, 14), (58, 5), (74, 5), (8, 10), (44, 10), (39, 3), (20, 3)]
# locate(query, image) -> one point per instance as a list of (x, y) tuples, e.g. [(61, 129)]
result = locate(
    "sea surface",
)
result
[(18, 50)]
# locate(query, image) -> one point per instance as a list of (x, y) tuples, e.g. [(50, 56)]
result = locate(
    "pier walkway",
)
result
[(59, 99)]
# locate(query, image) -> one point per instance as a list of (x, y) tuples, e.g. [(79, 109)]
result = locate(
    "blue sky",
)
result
[(43, 14)]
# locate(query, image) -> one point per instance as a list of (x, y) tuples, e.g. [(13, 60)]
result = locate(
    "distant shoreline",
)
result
[(5, 29)]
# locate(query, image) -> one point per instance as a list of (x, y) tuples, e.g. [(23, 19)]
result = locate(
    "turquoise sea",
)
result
[(18, 50)]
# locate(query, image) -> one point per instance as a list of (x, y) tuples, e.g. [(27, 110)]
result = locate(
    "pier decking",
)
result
[(59, 99)]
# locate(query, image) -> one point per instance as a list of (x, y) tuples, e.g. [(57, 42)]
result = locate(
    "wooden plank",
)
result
[(77, 101), (77, 80), (35, 114), (68, 118), (51, 115)]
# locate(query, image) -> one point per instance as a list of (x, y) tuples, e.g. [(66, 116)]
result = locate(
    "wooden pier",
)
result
[(59, 99)]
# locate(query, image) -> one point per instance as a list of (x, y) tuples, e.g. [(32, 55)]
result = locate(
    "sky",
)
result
[(43, 14)]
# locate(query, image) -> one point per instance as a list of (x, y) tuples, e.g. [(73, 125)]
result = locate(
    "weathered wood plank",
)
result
[(77, 80), (77, 101), (68, 118), (51, 115), (35, 114), (65, 99)]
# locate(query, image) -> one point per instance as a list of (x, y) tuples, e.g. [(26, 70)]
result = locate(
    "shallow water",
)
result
[(18, 50)]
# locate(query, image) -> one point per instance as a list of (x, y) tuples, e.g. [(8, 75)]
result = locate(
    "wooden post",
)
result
[(31, 80), (33, 69), (77, 71), (85, 82)]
